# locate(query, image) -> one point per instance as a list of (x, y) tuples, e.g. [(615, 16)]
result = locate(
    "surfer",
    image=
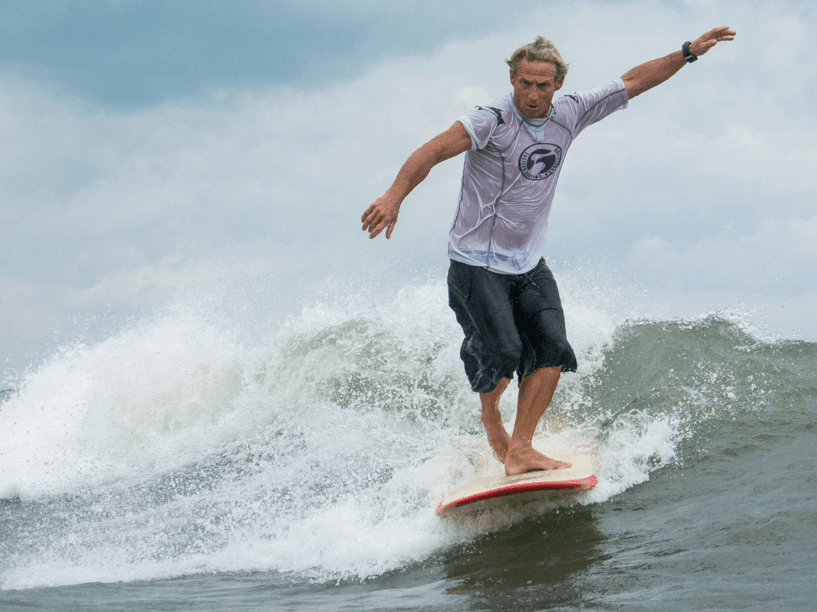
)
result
[(502, 292)]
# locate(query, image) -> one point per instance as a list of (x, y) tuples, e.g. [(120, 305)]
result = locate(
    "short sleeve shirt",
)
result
[(510, 176)]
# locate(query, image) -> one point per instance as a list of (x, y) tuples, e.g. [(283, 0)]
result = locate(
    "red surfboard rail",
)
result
[(517, 488)]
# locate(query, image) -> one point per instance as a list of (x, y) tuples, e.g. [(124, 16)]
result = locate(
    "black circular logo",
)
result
[(539, 161)]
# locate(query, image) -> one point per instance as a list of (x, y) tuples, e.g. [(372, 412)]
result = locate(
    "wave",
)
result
[(179, 446)]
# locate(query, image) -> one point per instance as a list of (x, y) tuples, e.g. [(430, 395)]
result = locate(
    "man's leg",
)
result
[(492, 346), (535, 392), (498, 436)]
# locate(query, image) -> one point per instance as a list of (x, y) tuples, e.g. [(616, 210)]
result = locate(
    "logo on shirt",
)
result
[(539, 161)]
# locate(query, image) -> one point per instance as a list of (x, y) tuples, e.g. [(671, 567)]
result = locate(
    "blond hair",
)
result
[(540, 50)]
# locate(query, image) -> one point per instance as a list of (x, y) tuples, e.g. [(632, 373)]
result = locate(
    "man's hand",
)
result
[(710, 39), (646, 76), (381, 215)]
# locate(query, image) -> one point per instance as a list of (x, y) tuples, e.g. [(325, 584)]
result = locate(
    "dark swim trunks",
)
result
[(512, 322)]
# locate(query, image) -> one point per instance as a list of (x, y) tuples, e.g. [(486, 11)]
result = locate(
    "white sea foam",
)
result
[(320, 453), (141, 402)]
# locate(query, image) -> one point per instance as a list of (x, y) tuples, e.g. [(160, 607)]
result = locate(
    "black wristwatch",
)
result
[(688, 55)]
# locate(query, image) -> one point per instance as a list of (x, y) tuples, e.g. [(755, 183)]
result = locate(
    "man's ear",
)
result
[(559, 82)]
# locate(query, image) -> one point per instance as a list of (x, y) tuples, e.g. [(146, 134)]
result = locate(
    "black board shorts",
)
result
[(512, 323)]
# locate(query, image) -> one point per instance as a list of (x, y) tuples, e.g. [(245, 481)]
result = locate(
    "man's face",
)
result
[(533, 87)]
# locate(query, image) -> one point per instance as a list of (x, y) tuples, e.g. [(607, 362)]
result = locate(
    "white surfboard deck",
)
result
[(494, 490)]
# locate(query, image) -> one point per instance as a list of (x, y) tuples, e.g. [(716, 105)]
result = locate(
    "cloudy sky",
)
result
[(147, 145)]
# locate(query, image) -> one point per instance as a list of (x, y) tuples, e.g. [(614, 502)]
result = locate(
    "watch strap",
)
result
[(688, 55)]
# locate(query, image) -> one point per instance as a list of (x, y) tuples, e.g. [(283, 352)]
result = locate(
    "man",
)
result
[(500, 289)]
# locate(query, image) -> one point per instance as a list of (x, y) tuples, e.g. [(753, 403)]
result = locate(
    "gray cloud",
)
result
[(704, 186), (133, 53)]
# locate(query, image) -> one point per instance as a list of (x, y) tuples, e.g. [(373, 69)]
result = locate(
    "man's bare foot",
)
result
[(521, 459)]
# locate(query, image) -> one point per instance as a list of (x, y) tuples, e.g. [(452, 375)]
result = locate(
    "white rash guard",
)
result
[(510, 176)]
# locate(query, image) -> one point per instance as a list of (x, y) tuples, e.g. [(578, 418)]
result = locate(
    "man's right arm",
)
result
[(383, 213)]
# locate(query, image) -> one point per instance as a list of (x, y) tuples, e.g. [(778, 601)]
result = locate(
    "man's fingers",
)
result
[(376, 230), (382, 215), (370, 217), (712, 38), (719, 34), (375, 224)]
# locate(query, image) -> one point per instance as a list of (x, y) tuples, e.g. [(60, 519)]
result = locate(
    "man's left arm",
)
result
[(646, 76)]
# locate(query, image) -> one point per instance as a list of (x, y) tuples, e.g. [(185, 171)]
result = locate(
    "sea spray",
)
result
[(320, 452)]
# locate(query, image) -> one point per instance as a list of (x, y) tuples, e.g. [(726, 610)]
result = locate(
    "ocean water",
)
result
[(184, 463)]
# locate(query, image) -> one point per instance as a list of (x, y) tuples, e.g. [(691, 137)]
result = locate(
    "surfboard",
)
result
[(494, 490)]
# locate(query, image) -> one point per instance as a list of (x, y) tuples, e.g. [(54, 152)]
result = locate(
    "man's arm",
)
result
[(646, 76), (383, 213)]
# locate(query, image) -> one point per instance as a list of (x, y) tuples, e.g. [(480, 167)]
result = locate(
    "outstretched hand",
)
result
[(652, 73), (710, 39), (381, 215)]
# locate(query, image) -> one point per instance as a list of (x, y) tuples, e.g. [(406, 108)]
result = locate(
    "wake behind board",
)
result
[(492, 491)]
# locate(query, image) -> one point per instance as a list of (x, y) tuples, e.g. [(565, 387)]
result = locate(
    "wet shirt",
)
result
[(510, 176)]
